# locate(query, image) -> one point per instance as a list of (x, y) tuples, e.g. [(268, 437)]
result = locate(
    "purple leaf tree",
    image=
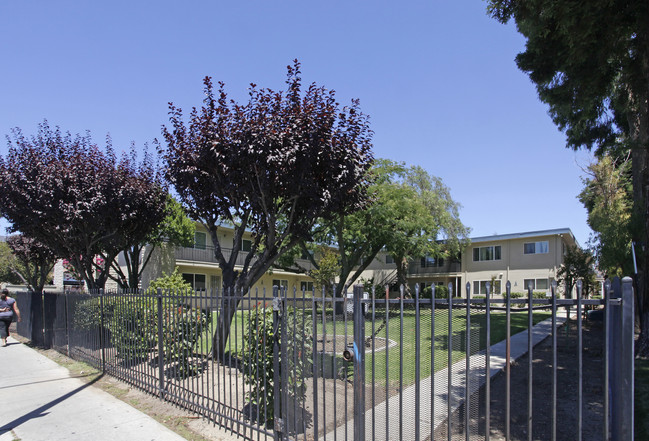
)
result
[(82, 202), (271, 166)]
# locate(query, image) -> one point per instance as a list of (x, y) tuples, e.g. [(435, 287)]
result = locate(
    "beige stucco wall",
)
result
[(516, 266)]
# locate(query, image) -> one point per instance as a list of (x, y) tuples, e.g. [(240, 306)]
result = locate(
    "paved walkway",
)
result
[(387, 412), (40, 401)]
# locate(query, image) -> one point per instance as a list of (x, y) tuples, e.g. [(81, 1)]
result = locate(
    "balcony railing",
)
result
[(449, 267), (206, 254)]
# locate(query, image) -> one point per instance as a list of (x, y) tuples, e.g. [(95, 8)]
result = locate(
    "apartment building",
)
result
[(521, 258)]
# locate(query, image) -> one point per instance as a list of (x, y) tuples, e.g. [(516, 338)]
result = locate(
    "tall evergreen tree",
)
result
[(590, 63)]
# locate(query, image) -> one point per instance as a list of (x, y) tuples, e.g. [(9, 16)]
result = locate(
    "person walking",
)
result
[(8, 309)]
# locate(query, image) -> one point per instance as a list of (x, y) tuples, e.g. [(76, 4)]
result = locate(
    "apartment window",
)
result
[(486, 253), (306, 286), (388, 259), (246, 245), (215, 282), (197, 281), (432, 262), (480, 287), (536, 247), (537, 284), (200, 240), (282, 283)]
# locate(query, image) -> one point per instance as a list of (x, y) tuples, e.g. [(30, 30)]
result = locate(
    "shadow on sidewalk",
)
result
[(41, 411)]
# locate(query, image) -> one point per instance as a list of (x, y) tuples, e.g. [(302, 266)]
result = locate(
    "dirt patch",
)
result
[(567, 392)]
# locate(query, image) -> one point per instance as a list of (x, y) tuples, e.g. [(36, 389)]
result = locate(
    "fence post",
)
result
[(621, 361), (102, 336), (277, 386), (627, 355), (161, 356), (359, 364), (37, 322)]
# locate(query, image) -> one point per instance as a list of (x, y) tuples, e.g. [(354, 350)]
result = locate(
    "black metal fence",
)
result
[(274, 365)]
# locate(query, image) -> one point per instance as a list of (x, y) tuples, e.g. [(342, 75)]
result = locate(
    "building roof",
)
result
[(525, 235)]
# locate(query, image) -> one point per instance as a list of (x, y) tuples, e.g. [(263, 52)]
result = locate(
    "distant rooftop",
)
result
[(525, 235)]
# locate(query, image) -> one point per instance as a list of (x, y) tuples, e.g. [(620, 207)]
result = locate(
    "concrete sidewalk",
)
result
[(41, 401)]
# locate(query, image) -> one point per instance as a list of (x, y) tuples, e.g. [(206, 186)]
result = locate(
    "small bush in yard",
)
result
[(133, 329), (131, 322), (441, 292), (183, 327), (257, 359)]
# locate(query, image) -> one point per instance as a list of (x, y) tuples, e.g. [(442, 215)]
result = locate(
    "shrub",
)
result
[(515, 295), (441, 292), (479, 297), (183, 327), (87, 314), (257, 359), (133, 329), (131, 322)]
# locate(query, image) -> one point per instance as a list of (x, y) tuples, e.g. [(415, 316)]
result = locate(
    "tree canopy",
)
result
[(607, 196), (426, 221), (175, 229), (578, 264), (34, 261), (7, 262), (80, 201), (410, 215), (272, 166)]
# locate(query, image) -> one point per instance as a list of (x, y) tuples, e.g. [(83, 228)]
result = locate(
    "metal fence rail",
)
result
[(357, 366)]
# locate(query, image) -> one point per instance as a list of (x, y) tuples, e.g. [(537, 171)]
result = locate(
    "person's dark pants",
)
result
[(4, 327)]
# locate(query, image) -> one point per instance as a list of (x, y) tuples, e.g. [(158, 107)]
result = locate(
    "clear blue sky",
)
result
[(437, 78)]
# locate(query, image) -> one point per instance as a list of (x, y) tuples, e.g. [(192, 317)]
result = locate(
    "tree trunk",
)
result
[(229, 304), (402, 273)]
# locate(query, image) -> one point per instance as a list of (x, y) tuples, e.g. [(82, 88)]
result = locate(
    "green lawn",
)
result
[(405, 344), (641, 398), (405, 347)]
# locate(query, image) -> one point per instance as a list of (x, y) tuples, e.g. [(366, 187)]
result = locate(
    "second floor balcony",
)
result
[(206, 254), (427, 265)]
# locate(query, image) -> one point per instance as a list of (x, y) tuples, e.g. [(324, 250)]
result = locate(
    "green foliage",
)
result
[(7, 262), (590, 63), (328, 268), (133, 328), (423, 211), (183, 326), (173, 283), (524, 295), (257, 357), (577, 265), (608, 197), (515, 295), (479, 297), (441, 292), (87, 313), (176, 228), (131, 321)]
